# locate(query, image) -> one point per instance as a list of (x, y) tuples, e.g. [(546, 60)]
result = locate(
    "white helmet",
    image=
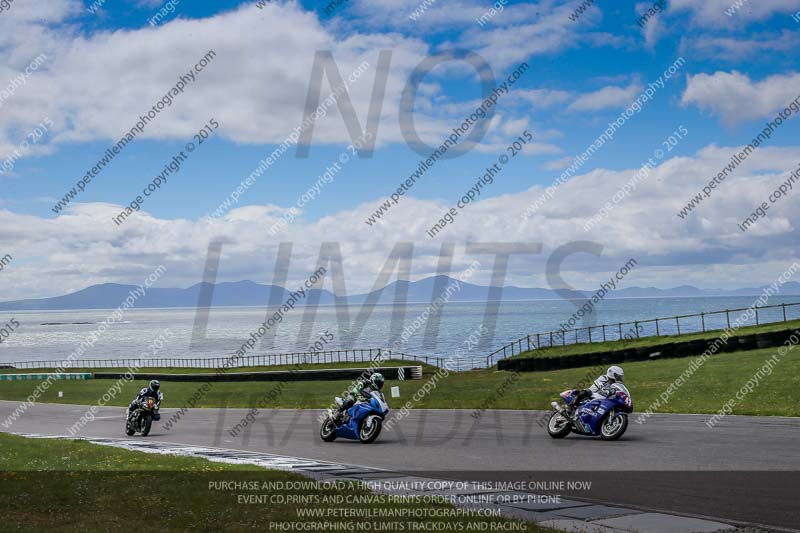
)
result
[(615, 373)]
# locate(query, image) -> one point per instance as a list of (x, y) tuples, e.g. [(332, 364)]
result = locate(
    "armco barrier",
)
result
[(662, 351), (34, 377), (333, 374)]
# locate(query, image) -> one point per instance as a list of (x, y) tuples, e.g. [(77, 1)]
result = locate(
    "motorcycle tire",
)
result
[(617, 430), (558, 432), (129, 431), (372, 433), (327, 431), (146, 425)]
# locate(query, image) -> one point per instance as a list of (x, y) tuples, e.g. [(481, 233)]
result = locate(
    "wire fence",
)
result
[(655, 327), (356, 356)]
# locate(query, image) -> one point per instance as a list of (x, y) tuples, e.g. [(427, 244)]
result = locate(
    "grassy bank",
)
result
[(650, 342), (705, 392), (73, 485)]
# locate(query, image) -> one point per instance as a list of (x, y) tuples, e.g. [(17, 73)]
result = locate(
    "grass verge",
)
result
[(72, 485), (705, 392)]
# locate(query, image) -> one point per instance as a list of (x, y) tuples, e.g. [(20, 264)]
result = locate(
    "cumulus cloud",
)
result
[(83, 246), (607, 97), (734, 97), (95, 86)]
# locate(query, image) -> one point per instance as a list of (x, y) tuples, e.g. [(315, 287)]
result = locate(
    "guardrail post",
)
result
[(703, 321), (636, 327), (590, 334), (657, 332), (756, 316), (529, 343), (604, 333), (678, 324), (728, 318), (619, 325), (784, 312)]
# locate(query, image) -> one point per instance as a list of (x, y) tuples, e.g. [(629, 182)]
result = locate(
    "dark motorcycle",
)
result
[(140, 420)]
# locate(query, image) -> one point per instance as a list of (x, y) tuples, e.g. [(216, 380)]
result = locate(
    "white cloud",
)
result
[(739, 48), (712, 13), (607, 97), (734, 97), (83, 246), (559, 164), (95, 86), (543, 98)]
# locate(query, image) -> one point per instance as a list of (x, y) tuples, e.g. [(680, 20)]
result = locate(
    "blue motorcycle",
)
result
[(607, 417), (363, 421)]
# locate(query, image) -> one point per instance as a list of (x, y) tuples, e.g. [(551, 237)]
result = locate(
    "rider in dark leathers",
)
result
[(151, 391)]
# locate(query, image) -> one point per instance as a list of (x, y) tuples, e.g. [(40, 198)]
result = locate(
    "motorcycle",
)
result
[(363, 422), (141, 419), (607, 417)]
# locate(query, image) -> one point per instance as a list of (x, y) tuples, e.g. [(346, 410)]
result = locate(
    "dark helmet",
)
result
[(154, 385), (376, 380)]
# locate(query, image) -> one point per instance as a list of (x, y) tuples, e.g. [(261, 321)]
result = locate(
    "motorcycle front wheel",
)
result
[(370, 430), (328, 430), (614, 426), (147, 423), (129, 431), (558, 426)]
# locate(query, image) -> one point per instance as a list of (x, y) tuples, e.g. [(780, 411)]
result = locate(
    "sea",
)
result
[(458, 329)]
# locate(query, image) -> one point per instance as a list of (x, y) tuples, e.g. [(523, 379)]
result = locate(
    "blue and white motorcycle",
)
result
[(607, 417), (362, 422)]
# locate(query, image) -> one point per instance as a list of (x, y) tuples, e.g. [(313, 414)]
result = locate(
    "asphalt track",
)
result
[(745, 469)]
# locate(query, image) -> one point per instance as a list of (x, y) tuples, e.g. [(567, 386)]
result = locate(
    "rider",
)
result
[(361, 389), (151, 391), (601, 388)]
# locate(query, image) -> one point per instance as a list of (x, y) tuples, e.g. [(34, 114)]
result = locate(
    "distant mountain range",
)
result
[(249, 293)]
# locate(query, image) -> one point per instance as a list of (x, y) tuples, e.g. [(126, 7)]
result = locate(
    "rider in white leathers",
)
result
[(601, 388)]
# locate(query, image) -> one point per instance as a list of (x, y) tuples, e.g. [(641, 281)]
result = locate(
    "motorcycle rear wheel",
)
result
[(614, 427), (328, 430), (558, 426)]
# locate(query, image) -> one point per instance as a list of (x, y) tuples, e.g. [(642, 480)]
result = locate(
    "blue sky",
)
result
[(104, 67)]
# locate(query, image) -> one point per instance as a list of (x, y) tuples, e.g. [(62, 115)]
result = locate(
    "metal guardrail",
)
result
[(287, 359), (367, 355), (710, 321)]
